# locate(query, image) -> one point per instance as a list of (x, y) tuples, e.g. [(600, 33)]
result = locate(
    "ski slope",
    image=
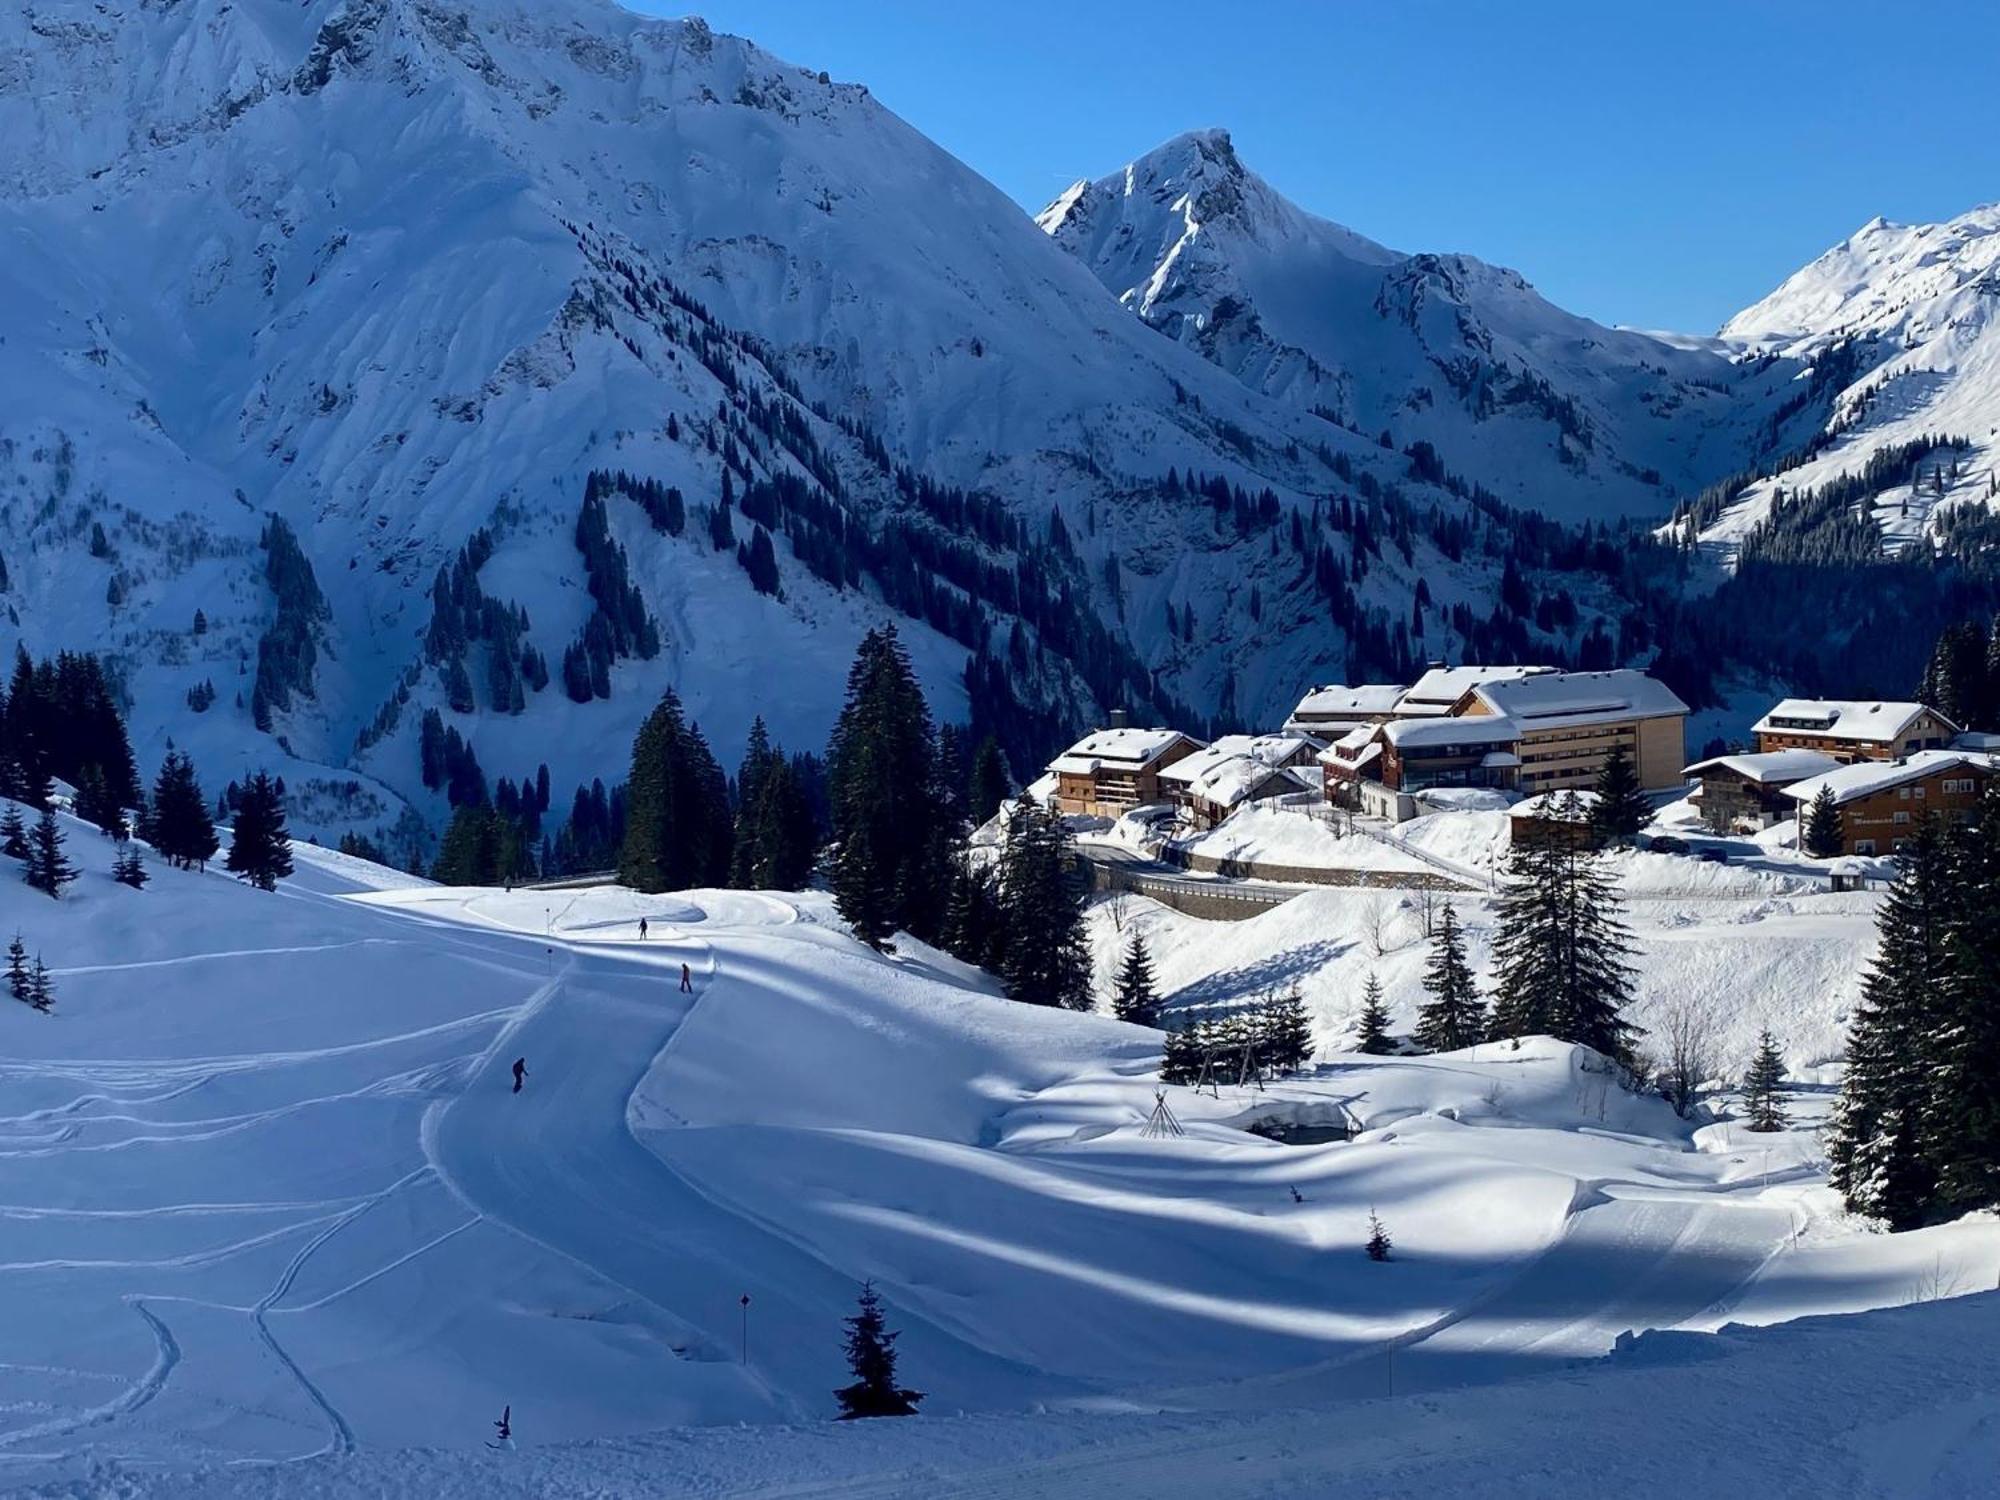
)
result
[(269, 1198)]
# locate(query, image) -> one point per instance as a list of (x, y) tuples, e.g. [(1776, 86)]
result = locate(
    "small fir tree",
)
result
[(871, 1357), (20, 975), (1374, 1038), (260, 848), (1763, 1086), (1379, 1243), (41, 987), (181, 827), (1454, 1016), (13, 832), (1136, 999), (1822, 835), (49, 870), (1047, 960), (130, 869), (1621, 809), (1180, 1060)]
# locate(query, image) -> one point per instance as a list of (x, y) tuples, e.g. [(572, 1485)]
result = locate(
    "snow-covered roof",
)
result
[(1479, 729), (1770, 767), (1843, 719), (1338, 704), (1977, 739), (1235, 779), (1864, 778), (1440, 687), (1123, 749), (1266, 749), (1555, 699), (1556, 806)]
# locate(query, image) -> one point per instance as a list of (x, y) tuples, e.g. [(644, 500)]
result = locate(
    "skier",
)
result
[(642, 929), (520, 1072), (505, 1429), (687, 980)]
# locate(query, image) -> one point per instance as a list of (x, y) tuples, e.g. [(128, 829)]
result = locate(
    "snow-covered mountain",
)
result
[(1898, 325), (1545, 409), (402, 274)]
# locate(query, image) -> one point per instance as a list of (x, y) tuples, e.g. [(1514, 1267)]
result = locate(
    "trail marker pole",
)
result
[(746, 1327)]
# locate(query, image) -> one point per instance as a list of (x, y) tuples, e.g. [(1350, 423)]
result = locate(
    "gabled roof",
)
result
[(1339, 703), (1844, 718), (1238, 778), (1118, 750), (1556, 699), (1867, 777), (1770, 767), (1268, 750), (1439, 688)]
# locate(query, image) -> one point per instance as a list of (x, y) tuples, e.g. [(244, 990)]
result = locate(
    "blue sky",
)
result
[(1659, 163)]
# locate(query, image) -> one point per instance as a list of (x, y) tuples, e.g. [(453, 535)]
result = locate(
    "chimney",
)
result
[(1120, 719)]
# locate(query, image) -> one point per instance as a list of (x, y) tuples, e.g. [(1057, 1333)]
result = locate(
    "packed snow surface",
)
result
[(270, 1194)]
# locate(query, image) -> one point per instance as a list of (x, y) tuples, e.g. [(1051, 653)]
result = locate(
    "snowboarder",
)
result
[(505, 1429), (520, 1072), (642, 929), (687, 980)]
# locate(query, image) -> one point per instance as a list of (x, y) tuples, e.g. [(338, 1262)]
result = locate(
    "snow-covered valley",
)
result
[(271, 1197)]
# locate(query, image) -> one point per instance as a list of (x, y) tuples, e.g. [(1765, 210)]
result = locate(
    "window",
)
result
[(1864, 846), (1919, 794), (1903, 792), (1902, 817)]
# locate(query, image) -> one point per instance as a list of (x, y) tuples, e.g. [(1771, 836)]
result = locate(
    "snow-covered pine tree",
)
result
[(1562, 949), (48, 869), (1284, 1033), (1047, 960), (96, 806), (1820, 832), (1378, 1244), (678, 831), (1763, 1086), (1454, 1016), (1374, 1038), (20, 975), (13, 832), (182, 829), (1621, 809), (989, 783), (260, 849), (871, 1358), (130, 868), (1874, 1150), (1136, 998), (41, 987)]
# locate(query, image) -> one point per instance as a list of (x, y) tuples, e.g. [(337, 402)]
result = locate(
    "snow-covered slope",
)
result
[(1541, 407), (400, 271), (1898, 325)]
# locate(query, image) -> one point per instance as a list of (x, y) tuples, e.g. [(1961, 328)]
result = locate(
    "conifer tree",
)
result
[(1374, 1039), (48, 869), (130, 869), (19, 976), (1454, 1016), (989, 783), (974, 926), (871, 1358), (678, 830), (1621, 809), (41, 987), (1961, 1048), (260, 850), (1379, 1244), (1763, 1086), (182, 829), (1821, 834), (1561, 953), (1180, 1059), (1874, 1151), (1047, 961), (891, 863), (1284, 1038), (1136, 998), (96, 806), (13, 832)]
